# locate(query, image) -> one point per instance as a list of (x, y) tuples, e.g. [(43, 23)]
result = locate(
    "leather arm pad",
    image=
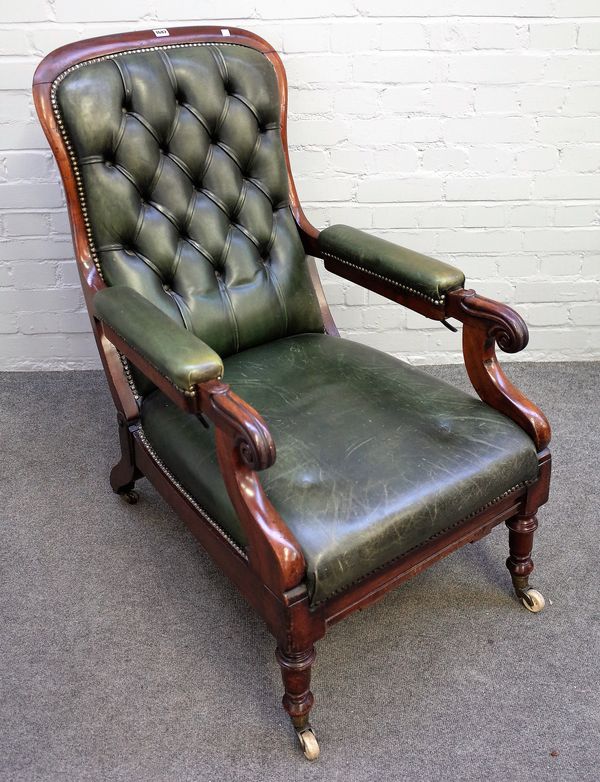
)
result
[(171, 349), (414, 273)]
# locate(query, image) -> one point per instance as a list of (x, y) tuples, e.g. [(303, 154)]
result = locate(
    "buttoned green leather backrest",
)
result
[(185, 185)]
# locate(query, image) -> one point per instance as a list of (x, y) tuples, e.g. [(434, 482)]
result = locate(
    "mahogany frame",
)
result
[(270, 573)]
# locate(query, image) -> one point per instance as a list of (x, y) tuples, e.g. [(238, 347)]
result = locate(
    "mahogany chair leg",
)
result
[(125, 473), (521, 530), (297, 698)]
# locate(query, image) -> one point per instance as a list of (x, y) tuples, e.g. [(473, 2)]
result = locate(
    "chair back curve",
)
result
[(183, 181)]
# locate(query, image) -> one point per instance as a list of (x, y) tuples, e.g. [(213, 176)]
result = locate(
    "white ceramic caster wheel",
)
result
[(309, 743), (533, 600)]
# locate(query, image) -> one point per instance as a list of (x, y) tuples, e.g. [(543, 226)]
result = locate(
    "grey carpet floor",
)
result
[(126, 655)]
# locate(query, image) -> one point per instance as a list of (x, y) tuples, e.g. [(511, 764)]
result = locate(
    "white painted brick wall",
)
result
[(466, 129)]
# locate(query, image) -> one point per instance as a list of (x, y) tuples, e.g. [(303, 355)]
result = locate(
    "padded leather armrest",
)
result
[(415, 273), (171, 349)]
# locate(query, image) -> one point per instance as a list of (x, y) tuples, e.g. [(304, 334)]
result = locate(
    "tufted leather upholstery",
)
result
[(185, 184)]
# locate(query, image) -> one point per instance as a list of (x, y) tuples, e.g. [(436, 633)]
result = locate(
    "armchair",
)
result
[(196, 261)]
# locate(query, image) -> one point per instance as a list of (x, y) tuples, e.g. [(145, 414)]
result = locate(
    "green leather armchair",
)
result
[(196, 260)]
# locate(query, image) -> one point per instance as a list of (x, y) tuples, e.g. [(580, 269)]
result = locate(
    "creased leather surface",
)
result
[(186, 188), (373, 455), (427, 276), (171, 349)]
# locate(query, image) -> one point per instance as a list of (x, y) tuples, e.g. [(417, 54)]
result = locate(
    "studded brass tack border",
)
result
[(63, 132), (73, 160), (146, 443), (516, 487), (413, 291)]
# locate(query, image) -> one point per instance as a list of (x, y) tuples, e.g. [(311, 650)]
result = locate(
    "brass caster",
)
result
[(131, 497), (532, 599), (308, 742)]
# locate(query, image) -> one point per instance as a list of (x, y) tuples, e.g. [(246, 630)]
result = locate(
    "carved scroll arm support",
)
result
[(487, 323), (245, 447)]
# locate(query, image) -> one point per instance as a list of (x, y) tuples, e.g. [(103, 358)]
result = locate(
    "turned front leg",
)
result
[(520, 544), (295, 672), (521, 530), (297, 697)]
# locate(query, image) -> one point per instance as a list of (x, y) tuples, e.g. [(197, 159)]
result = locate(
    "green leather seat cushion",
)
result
[(373, 456)]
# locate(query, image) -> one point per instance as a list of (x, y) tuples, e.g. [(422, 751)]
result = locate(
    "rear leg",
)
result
[(125, 473)]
